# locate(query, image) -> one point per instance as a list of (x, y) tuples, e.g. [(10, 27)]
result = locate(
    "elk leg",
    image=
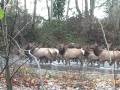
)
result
[(58, 60), (94, 62), (81, 62), (101, 63), (111, 63), (88, 62), (98, 62), (65, 62), (46, 61), (77, 61), (117, 64), (91, 63), (69, 62), (41, 60), (50, 61)]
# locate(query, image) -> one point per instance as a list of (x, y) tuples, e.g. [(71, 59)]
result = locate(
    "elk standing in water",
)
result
[(90, 57), (71, 53), (104, 55), (44, 54)]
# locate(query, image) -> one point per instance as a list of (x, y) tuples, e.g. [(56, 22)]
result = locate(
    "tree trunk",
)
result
[(34, 14), (8, 80), (25, 13), (25, 5), (116, 3), (92, 7), (77, 7), (33, 23), (87, 21), (82, 6), (7, 45), (51, 9), (86, 8), (48, 9), (67, 9)]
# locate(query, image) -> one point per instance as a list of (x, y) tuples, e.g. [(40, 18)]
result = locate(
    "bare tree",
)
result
[(52, 1), (34, 14), (92, 7), (25, 5), (86, 8), (33, 22), (82, 6), (86, 21), (48, 9), (77, 7), (68, 4), (116, 14), (7, 43), (25, 9)]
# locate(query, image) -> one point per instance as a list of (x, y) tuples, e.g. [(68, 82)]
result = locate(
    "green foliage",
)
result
[(58, 8), (1, 13), (56, 31), (51, 33)]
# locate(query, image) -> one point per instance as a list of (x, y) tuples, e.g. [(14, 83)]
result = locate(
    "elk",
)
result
[(71, 53), (47, 53), (44, 53), (104, 55), (90, 56)]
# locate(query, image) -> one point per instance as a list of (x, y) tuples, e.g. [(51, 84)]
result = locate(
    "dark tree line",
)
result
[(83, 28)]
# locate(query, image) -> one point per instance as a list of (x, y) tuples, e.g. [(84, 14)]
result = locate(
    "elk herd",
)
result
[(67, 53)]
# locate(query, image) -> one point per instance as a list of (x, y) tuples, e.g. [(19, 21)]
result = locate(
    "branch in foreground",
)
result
[(21, 30), (3, 69), (15, 42), (13, 63), (18, 68), (108, 50), (34, 58), (104, 36), (25, 26)]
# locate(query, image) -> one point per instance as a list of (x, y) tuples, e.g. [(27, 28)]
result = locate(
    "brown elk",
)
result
[(71, 53), (47, 53), (44, 53), (104, 55), (90, 56)]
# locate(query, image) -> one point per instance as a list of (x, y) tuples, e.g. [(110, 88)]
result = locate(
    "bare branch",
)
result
[(18, 68), (21, 30), (15, 42), (22, 50), (13, 63), (3, 69), (104, 36), (34, 59)]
